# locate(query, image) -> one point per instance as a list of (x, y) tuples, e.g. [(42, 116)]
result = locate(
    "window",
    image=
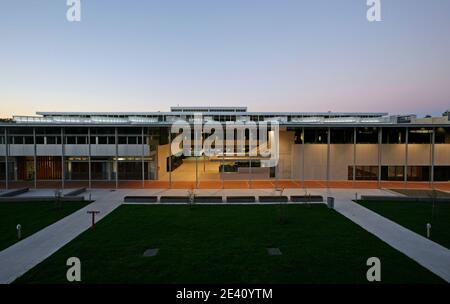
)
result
[(29, 140), (51, 140), (316, 136), (81, 140), (342, 136), (419, 136), (394, 135), (71, 140), (419, 173), (363, 173), (102, 140), (392, 173), (367, 135)]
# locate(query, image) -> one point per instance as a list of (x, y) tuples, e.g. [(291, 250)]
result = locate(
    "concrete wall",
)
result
[(21, 150), (442, 154), (341, 158), (163, 153), (285, 150), (419, 154)]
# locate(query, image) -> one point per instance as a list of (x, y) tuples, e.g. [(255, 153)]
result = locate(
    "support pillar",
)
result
[(6, 160), (34, 159), (354, 158), (405, 173), (116, 134), (170, 159), (89, 159), (328, 156), (432, 156), (62, 158), (303, 158), (380, 151), (142, 157)]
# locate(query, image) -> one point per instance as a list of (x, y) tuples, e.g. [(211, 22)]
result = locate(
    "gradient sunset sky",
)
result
[(135, 55)]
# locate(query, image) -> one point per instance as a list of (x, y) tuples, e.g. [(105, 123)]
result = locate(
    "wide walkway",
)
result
[(24, 255), (430, 255)]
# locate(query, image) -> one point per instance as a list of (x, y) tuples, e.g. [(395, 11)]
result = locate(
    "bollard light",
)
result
[(93, 213), (19, 231), (356, 197), (428, 230)]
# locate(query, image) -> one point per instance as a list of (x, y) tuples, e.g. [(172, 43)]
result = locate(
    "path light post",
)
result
[(19, 231), (58, 195), (93, 213), (428, 230)]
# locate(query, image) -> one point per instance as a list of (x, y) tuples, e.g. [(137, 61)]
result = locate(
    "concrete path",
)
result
[(429, 254), (24, 255)]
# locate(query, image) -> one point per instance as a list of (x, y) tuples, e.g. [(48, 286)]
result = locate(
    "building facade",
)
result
[(112, 150)]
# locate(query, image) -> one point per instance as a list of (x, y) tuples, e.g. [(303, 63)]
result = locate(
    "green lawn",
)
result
[(32, 216), (227, 244), (416, 215)]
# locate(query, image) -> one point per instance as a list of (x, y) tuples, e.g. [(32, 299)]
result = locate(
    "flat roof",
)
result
[(308, 114)]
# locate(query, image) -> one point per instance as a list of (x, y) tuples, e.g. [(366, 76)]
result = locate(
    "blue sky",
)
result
[(295, 55)]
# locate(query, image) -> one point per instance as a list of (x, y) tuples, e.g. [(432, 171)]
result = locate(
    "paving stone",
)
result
[(274, 251), (151, 252)]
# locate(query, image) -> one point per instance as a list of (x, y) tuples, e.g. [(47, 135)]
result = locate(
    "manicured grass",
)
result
[(32, 216), (227, 244), (416, 215)]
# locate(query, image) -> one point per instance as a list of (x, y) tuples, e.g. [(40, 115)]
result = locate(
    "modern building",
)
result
[(73, 149)]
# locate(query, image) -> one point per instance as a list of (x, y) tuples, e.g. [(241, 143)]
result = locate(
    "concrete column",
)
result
[(432, 156), (62, 158), (328, 156), (223, 164), (354, 157), (405, 177), (6, 160), (196, 170), (380, 151), (250, 178), (34, 159), (170, 159), (142, 158), (117, 157), (303, 157), (89, 158)]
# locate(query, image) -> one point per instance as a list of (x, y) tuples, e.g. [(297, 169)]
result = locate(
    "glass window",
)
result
[(81, 140), (51, 140), (102, 140), (29, 140), (342, 136), (394, 135), (71, 140), (366, 135), (419, 136)]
